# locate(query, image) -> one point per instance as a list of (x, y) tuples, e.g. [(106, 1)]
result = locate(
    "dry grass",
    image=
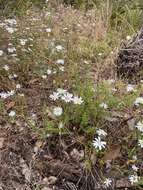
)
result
[(59, 151)]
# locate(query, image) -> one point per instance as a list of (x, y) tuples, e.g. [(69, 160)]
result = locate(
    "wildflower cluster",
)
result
[(7, 94), (62, 94), (138, 101), (134, 178), (139, 126), (107, 182), (9, 25), (130, 88), (97, 142)]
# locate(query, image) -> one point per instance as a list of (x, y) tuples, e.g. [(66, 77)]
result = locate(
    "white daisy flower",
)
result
[(23, 41), (61, 91), (11, 21), (6, 67), (138, 101), (18, 86), (62, 68), (135, 168), (134, 157), (44, 76), (11, 93), (60, 61), (54, 72), (97, 143), (77, 100), (67, 97), (140, 143), (12, 76), (11, 50), (101, 132), (57, 111), (12, 113), (133, 179), (108, 182), (130, 88), (55, 96), (1, 52), (15, 75), (139, 126), (4, 95), (59, 48), (48, 30), (34, 116), (10, 29), (49, 71), (128, 37), (103, 105)]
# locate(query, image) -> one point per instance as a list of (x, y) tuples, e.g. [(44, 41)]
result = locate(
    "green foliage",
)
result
[(12, 7)]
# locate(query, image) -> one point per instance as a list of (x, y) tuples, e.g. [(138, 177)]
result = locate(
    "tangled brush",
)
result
[(130, 59)]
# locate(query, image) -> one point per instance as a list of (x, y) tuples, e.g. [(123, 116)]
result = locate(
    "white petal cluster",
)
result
[(135, 168), (138, 101), (134, 179), (14, 76), (139, 126), (55, 96), (48, 30), (1, 52), (130, 88), (128, 37), (60, 61), (57, 111), (107, 182), (98, 143), (67, 97), (6, 67), (5, 95), (44, 76), (49, 71), (140, 143), (62, 68), (101, 132), (77, 100), (12, 113), (18, 86), (23, 41), (103, 105), (59, 48), (9, 25), (11, 22), (11, 49)]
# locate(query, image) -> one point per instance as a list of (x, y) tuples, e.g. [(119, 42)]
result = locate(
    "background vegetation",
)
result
[(72, 46)]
